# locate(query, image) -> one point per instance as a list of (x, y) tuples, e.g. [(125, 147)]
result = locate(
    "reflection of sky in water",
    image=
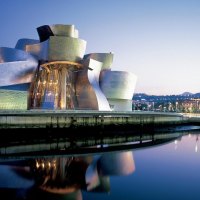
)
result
[(10, 179), (170, 171)]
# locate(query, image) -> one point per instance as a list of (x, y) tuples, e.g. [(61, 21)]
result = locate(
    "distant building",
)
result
[(167, 103), (54, 73)]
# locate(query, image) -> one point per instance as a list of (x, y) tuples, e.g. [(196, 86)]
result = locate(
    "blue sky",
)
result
[(157, 40)]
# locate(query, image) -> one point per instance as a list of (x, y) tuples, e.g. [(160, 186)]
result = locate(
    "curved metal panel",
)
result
[(93, 76), (16, 66), (105, 58), (76, 33), (58, 87), (17, 72), (59, 48), (63, 30), (44, 32), (21, 43), (39, 51), (12, 55), (118, 84), (120, 104), (85, 94), (66, 48)]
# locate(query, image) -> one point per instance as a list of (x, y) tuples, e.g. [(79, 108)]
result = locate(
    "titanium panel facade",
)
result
[(118, 84), (66, 48), (21, 43), (61, 77), (88, 92), (39, 51), (58, 48), (120, 104), (64, 30), (85, 93), (44, 32), (93, 76), (16, 66), (13, 55), (118, 87), (105, 58)]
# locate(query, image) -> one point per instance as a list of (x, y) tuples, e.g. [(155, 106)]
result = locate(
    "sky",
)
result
[(157, 40)]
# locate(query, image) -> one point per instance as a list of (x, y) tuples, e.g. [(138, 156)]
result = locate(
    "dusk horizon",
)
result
[(184, 93), (156, 40), (100, 99)]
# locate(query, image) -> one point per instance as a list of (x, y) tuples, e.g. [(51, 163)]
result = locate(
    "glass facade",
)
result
[(12, 99)]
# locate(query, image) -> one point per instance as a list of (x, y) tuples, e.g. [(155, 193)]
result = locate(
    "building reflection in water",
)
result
[(68, 176), (64, 177), (192, 137), (196, 144)]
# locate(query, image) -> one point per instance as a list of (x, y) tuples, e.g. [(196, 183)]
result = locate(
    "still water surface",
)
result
[(169, 170)]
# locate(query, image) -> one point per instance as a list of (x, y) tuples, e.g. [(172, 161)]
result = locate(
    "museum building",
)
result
[(55, 73)]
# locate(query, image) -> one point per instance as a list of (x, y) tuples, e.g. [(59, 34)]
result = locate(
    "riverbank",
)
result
[(85, 118)]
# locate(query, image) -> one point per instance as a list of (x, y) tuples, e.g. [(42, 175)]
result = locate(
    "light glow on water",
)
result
[(167, 170)]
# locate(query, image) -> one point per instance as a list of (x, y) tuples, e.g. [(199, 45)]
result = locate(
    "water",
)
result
[(159, 166)]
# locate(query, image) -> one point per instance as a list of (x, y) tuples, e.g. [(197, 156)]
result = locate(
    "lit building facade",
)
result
[(54, 73)]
